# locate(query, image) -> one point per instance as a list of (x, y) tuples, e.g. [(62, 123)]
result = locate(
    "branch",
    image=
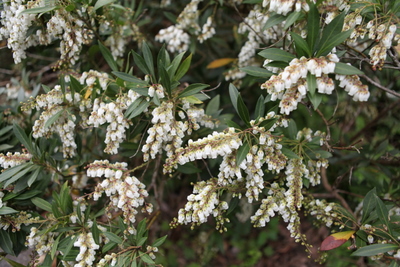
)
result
[(380, 86)]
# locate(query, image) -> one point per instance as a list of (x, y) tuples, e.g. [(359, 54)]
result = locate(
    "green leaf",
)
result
[(242, 152), (6, 242), (257, 71), (130, 78), (101, 3), (141, 241), (302, 48), (315, 100), (40, 10), (148, 58), (213, 106), (108, 57), (140, 62), (54, 247), (369, 204), (13, 263), (311, 83), (312, 26), (291, 19), (108, 246), (260, 108), (175, 64), (8, 173), (192, 89), (42, 204), (140, 108), (383, 213), (146, 258), (141, 229), (233, 93), (292, 129), (183, 68), (34, 176), (159, 241), (374, 249), (267, 124), (276, 54), (113, 237), (289, 153), (273, 20), (70, 242), (345, 69), (332, 35), (23, 138), (243, 111), (28, 194), (15, 177), (277, 64), (7, 210), (165, 80), (53, 119)]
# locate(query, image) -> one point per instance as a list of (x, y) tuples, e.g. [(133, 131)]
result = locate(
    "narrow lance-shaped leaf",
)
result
[(148, 58), (41, 203), (7, 210), (315, 99), (369, 204), (108, 57), (260, 107), (257, 72), (220, 63), (345, 69), (174, 65), (276, 54), (183, 68), (233, 93), (374, 249), (53, 119), (383, 213), (291, 19), (140, 108), (312, 26), (242, 152), (311, 83), (101, 3), (243, 111), (22, 137), (192, 89), (130, 78), (273, 20), (302, 48), (140, 62)]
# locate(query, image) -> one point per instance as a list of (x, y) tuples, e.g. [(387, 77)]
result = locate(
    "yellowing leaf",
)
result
[(220, 62), (335, 240), (193, 99), (88, 93)]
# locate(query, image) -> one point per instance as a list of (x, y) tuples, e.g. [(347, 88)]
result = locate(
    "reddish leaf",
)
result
[(336, 240)]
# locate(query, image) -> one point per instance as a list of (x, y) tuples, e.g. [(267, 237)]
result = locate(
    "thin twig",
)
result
[(380, 86)]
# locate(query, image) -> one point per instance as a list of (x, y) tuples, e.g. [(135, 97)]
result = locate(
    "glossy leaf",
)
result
[(40, 10), (42, 204), (267, 124), (146, 258), (113, 237), (260, 107), (242, 152), (291, 19), (174, 65), (6, 242), (276, 54), (345, 69), (139, 109), (374, 249), (23, 138), (313, 26), (383, 213), (243, 111), (311, 83), (220, 63), (53, 119), (108, 57), (316, 99), (183, 68), (130, 78), (7, 210), (369, 204), (289, 153), (302, 48), (148, 58), (273, 20), (233, 93), (101, 3), (141, 63), (257, 72), (159, 241), (336, 240), (192, 89)]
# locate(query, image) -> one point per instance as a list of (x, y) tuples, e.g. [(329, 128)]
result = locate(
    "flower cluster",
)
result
[(126, 192), (10, 160), (201, 204), (215, 144), (87, 249), (176, 38), (207, 31), (56, 118), (323, 211), (167, 132), (253, 26), (113, 114), (285, 6), (16, 25), (290, 85), (41, 242)]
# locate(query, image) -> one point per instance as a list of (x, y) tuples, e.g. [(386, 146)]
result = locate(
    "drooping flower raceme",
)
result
[(126, 192)]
